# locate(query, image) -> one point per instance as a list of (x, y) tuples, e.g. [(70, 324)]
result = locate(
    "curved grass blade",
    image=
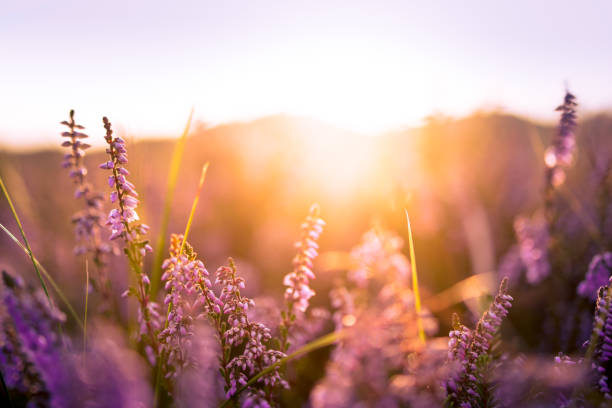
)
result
[(175, 164), (52, 282), (194, 205), (321, 342), (23, 235), (415, 282)]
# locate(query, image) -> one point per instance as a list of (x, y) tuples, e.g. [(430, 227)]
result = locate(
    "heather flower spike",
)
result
[(31, 350), (123, 221), (560, 154), (470, 353), (297, 283), (88, 221)]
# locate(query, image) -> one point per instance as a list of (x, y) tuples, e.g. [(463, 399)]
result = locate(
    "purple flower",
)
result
[(189, 297), (298, 291), (469, 352), (34, 346), (532, 236), (560, 153), (88, 221), (297, 283), (122, 220), (123, 224), (602, 334), (248, 342), (597, 276)]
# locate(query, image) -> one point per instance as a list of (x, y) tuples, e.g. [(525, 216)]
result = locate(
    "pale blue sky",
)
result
[(365, 66)]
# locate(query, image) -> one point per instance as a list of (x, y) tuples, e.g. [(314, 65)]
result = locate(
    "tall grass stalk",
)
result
[(194, 205), (175, 163), (415, 282), (51, 281), (23, 235)]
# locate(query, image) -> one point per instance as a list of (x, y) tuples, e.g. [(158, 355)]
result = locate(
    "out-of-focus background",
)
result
[(365, 109)]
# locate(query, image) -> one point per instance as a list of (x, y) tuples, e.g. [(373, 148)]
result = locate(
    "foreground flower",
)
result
[(470, 353), (31, 350), (88, 221), (597, 276), (189, 296), (245, 346)]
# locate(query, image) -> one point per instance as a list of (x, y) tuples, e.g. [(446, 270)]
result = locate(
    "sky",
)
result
[(368, 67)]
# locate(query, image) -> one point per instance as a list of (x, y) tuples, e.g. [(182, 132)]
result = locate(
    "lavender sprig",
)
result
[(560, 154), (189, 298), (471, 352), (88, 221), (245, 346), (298, 291), (33, 345), (123, 222)]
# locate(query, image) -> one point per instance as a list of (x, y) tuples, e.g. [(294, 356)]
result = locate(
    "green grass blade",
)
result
[(52, 282), (321, 342), (175, 163), (23, 235), (86, 304), (415, 282), (194, 205)]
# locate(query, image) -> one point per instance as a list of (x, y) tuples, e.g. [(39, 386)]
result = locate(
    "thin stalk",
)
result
[(51, 281), (175, 164), (415, 282), (194, 205), (86, 304), (321, 342), (23, 235)]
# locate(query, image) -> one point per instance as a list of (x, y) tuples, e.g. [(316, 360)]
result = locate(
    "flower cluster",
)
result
[(470, 352), (560, 153), (374, 311), (298, 291), (122, 220), (88, 221), (32, 363), (245, 345), (602, 329), (597, 276), (186, 279)]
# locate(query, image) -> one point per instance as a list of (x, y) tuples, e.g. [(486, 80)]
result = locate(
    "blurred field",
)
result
[(462, 181)]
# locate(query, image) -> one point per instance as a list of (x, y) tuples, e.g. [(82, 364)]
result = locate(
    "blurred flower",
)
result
[(87, 222), (32, 358), (597, 276), (112, 374), (374, 310), (560, 153), (199, 384), (298, 291), (532, 237)]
